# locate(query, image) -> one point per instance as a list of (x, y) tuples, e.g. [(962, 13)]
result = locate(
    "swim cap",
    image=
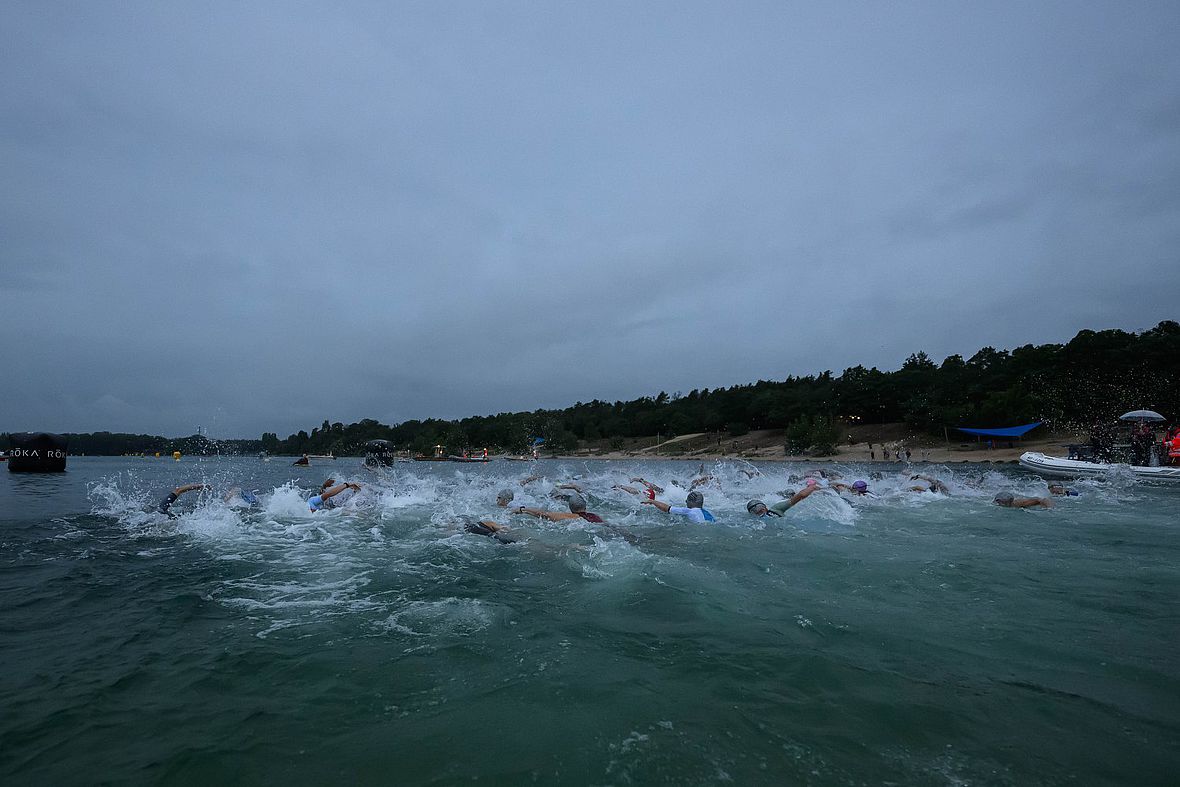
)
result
[(1004, 497), (812, 482), (576, 502), (860, 486), (754, 505), (505, 495), (695, 500), (249, 497)]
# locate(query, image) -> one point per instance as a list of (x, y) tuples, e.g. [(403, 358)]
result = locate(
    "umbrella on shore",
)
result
[(1142, 416)]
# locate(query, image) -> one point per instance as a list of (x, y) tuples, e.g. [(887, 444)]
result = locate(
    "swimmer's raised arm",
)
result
[(167, 502)]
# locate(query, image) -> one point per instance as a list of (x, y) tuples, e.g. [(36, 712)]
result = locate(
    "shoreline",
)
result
[(963, 453)]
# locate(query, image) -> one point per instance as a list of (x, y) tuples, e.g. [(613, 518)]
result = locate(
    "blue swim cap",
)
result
[(249, 497)]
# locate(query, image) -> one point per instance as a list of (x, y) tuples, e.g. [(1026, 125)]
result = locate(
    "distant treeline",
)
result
[(1093, 378)]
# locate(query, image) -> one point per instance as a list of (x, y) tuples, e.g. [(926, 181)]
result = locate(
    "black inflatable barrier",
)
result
[(378, 452), (37, 452)]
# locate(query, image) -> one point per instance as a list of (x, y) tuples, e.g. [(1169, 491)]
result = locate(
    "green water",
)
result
[(907, 639)]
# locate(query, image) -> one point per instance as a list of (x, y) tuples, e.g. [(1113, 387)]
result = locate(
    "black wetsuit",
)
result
[(480, 529), (167, 502)]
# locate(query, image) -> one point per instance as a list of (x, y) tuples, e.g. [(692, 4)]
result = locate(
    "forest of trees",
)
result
[(1094, 377)]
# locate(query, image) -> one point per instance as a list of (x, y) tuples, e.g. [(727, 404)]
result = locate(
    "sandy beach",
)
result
[(868, 443)]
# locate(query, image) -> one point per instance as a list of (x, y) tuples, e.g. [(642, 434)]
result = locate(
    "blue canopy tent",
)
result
[(1011, 431)]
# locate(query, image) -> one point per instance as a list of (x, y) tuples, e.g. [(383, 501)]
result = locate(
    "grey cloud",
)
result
[(257, 217)]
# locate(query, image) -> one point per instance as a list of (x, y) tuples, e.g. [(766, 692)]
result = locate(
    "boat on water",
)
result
[(438, 456), (1059, 467), (320, 456), (1150, 461), (468, 456)]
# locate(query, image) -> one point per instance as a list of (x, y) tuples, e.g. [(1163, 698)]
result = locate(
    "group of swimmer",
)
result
[(335, 495)]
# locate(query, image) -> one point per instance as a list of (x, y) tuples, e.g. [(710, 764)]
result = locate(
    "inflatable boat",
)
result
[(1057, 467)]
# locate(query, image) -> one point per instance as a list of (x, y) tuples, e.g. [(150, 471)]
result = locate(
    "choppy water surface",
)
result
[(909, 639)]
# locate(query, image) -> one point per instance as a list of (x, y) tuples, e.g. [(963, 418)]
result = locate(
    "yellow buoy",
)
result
[(176, 455)]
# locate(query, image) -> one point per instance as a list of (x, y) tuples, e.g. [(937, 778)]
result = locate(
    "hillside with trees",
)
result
[(1092, 378)]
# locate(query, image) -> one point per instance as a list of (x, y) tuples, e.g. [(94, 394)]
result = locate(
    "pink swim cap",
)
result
[(812, 482)]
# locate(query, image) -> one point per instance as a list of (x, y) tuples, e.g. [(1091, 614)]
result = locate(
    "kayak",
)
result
[(1058, 467)]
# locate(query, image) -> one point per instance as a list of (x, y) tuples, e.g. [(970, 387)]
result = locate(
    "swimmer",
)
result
[(530, 479), (301, 461), (1060, 490), (247, 497), (935, 485), (693, 508), (317, 502), (758, 508), (577, 510), (624, 488), (486, 527), (1008, 500), (504, 497), (167, 502), (581, 490), (857, 488), (648, 485)]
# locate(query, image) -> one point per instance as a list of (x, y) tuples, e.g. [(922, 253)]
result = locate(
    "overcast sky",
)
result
[(254, 216)]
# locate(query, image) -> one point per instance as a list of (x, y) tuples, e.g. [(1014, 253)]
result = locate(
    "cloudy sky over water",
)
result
[(252, 217)]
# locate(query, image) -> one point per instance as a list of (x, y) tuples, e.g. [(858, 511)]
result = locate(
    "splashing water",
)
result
[(874, 638)]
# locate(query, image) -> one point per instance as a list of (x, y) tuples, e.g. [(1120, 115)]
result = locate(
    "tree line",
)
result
[(1092, 378)]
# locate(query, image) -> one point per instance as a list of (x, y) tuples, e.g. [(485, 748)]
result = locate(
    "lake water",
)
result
[(909, 638)]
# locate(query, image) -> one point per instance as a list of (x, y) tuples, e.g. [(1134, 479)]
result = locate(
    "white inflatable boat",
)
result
[(1057, 467)]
